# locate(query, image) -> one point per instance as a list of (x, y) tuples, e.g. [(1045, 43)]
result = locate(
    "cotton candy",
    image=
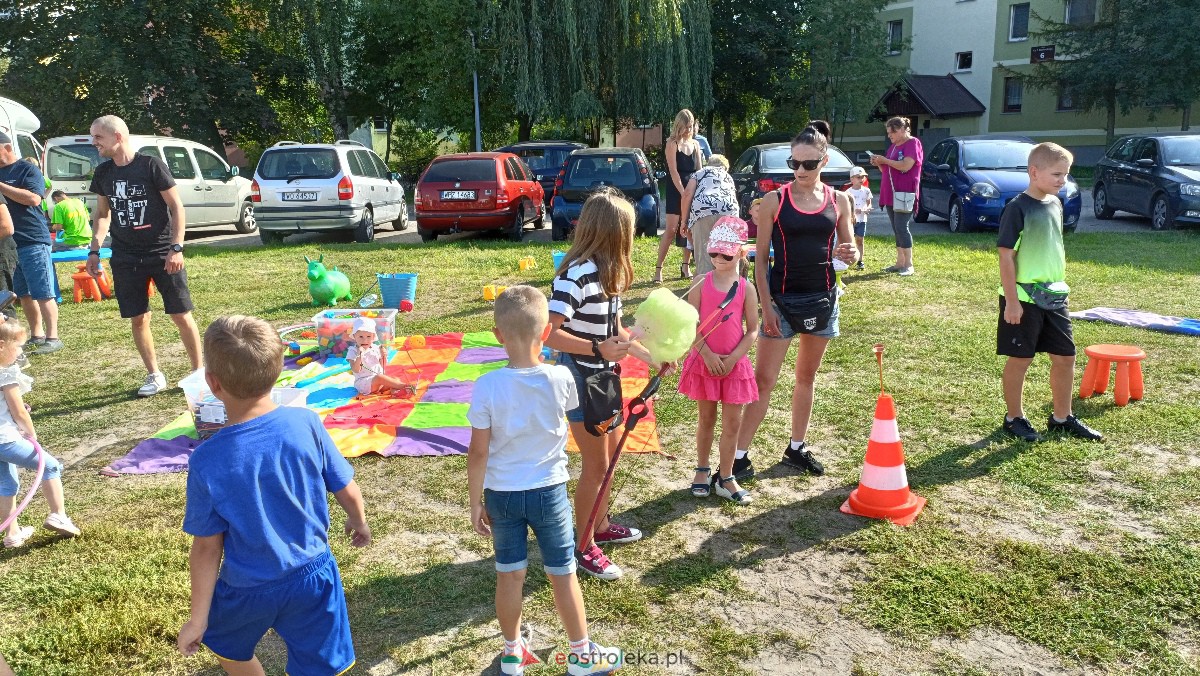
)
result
[(666, 325)]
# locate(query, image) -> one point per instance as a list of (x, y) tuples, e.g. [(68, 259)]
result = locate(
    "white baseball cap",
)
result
[(857, 171), (364, 324)]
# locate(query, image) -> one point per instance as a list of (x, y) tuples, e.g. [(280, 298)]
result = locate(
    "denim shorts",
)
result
[(786, 332), (307, 608), (35, 276), (580, 373), (547, 510), (20, 453), (860, 228)]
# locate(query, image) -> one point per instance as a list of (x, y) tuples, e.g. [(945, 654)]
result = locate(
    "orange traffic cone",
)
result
[(883, 491)]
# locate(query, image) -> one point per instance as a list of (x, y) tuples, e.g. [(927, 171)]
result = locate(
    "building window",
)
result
[(1018, 22), (1080, 12), (1065, 100), (962, 62), (1013, 94), (379, 122), (895, 36)]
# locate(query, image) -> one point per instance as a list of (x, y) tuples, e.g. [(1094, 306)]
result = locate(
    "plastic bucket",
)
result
[(397, 287), (558, 257)]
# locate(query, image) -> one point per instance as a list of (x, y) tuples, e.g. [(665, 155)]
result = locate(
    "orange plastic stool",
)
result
[(1128, 384), (85, 287), (101, 281)]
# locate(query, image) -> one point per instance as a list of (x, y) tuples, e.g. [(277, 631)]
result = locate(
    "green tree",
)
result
[(1168, 61)]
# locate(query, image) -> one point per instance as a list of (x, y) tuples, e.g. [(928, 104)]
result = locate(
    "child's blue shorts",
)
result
[(307, 608), (547, 510)]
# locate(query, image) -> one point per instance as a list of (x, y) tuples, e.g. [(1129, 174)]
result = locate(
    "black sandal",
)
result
[(702, 490), (741, 497)]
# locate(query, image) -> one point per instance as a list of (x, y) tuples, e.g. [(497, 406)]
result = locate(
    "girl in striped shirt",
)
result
[(585, 318)]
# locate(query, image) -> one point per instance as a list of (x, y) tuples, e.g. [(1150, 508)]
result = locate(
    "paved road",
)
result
[(877, 225)]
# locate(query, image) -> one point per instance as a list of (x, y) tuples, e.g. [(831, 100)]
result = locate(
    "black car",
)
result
[(1155, 175), (763, 168), (625, 169), (545, 159)]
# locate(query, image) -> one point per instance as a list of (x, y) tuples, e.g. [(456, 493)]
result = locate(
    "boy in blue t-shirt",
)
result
[(517, 478), (256, 494)]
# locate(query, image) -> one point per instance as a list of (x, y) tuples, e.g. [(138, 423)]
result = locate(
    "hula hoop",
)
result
[(37, 482), (295, 327)]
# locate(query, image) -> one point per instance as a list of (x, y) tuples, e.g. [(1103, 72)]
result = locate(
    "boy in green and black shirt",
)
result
[(71, 216), (1033, 263)]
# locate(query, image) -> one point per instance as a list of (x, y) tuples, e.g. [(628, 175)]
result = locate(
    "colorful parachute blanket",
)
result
[(1141, 320), (431, 421)]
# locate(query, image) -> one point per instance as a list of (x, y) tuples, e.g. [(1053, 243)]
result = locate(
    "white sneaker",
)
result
[(61, 524), (23, 533), (906, 272), (597, 660), (155, 382)]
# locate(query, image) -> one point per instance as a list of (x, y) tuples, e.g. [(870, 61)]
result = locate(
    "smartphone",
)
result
[(870, 154)]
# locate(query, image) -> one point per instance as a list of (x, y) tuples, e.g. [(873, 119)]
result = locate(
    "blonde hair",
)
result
[(684, 121), (895, 123), (604, 235), (244, 355), (1045, 154), (718, 160), (521, 313), (10, 330), (111, 123)]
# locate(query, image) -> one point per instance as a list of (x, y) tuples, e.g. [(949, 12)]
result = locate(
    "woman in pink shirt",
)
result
[(901, 169)]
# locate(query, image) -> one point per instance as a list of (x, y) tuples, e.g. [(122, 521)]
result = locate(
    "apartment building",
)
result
[(956, 53)]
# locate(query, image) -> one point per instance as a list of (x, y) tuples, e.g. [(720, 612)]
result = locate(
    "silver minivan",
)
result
[(318, 187), (212, 191)]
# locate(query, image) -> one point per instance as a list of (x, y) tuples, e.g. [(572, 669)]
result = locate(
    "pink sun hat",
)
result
[(728, 236)]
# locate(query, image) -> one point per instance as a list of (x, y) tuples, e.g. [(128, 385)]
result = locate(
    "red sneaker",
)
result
[(617, 534), (593, 562)]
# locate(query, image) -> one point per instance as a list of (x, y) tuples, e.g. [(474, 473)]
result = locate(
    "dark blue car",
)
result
[(1155, 175), (589, 169), (968, 179)]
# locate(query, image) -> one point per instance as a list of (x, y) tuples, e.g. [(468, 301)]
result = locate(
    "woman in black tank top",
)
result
[(683, 159), (802, 219)]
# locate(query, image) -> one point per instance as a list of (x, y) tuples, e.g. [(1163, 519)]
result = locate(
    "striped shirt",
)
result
[(579, 296)]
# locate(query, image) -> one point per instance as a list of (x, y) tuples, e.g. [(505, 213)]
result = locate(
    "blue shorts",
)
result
[(786, 332), (34, 276), (580, 373), (307, 608), (20, 453), (547, 510), (860, 228)]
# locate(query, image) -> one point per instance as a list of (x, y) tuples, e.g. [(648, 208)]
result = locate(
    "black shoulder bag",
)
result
[(602, 400)]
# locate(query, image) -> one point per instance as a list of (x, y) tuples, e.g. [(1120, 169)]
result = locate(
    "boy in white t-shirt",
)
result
[(517, 478), (862, 208)]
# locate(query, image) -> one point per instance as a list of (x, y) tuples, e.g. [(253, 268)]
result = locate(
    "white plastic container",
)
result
[(209, 412)]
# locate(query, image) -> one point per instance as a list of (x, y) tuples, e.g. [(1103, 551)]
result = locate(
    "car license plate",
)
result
[(458, 194), (298, 196)]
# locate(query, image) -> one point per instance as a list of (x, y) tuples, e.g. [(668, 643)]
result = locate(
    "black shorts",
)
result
[(1039, 331), (131, 281)]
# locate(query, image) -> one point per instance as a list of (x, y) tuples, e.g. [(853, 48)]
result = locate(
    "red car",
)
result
[(478, 191)]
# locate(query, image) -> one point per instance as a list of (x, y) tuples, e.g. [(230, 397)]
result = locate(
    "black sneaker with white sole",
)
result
[(802, 459), (743, 468), (1073, 426), (1021, 429)]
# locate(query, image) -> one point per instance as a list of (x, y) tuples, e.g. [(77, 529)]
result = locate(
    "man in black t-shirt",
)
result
[(136, 195)]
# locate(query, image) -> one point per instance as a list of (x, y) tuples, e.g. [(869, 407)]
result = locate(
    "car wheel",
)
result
[(955, 216), (518, 227), (1100, 203), (365, 232), (400, 223), (920, 215), (246, 224), (539, 223), (1162, 217), (271, 237), (426, 235)]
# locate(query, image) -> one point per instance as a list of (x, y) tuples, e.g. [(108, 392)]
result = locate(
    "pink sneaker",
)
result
[(617, 534), (595, 563)]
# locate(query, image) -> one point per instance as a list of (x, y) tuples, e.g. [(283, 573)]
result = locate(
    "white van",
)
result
[(20, 123), (212, 191)]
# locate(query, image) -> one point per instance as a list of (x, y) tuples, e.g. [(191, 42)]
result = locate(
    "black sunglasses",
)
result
[(808, 165), (714, 254)]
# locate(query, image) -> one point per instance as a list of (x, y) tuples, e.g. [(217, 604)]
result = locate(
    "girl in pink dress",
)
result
[(718, 370)]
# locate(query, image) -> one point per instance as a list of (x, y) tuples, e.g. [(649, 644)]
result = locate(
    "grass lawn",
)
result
[(1061, 557)]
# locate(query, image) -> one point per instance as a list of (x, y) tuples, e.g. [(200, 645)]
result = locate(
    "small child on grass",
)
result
[(1033, 300), (863, 201), (367, 362), (256, 497), (517, 478)]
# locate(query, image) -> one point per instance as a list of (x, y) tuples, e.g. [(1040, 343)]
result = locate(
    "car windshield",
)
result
[(483, 169), (774, 160), (545, 159), (620, 171), (1181, 152), (996, 155), (74, 161), (293, 163)]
